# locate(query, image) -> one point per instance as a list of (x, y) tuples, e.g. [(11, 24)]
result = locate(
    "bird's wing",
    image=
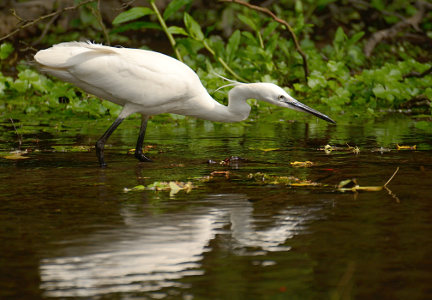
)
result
[(121, 75)]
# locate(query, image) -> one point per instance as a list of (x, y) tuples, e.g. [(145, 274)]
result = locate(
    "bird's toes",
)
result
[(143, 158)]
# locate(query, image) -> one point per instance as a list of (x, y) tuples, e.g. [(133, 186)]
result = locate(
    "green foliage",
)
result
[(132, 14), (257, 49), (5, 50)]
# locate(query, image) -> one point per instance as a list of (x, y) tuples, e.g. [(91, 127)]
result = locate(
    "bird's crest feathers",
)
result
[(232, 82)]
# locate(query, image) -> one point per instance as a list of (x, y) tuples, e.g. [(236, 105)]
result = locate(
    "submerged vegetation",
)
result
[(353, 58)]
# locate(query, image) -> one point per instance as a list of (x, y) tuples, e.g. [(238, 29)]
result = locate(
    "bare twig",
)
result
[(391, 178), (417, 74), (41, 18), (98, 15), (389, 191), (126, 5), (45, 30), (393, 195), (281, 21), (18, 135), (391, 32)]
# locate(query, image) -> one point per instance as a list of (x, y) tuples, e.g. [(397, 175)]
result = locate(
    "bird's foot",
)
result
[(142, 157)]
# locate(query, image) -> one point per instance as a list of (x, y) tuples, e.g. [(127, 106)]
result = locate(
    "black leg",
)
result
[(138, 149), (101, 142)]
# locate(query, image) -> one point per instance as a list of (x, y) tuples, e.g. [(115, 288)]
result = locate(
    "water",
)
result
[(70, 231)]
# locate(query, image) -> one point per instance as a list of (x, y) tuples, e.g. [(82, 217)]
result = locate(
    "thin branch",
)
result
[(388, 181), (45, 30), (97, 13), (165, 29), (391, 32), (41, 18), (281, 21), (394, 196), (417, 74), (18, 135)]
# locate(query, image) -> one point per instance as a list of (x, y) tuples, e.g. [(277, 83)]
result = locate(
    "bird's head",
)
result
[(274, 94)]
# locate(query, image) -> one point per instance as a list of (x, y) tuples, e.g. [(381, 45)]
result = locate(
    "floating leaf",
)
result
[(406, 147), (265, 149), (350, 185), (281, 180), (77, 148), (302, 164), (17, 155), (173, 186)]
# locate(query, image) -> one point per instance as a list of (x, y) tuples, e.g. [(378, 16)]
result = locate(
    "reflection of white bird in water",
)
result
[(152, 83)]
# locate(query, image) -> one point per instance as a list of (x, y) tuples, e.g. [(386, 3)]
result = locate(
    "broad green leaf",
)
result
[(191, 45), (298, 7), (5, 50), (379, 91), (177, 30), (135, 26), (132, 14), (248, 21), (378, 4), (193, 27), (233, 44), (269, 29), (174, 6), (340, 36), (356, 37)]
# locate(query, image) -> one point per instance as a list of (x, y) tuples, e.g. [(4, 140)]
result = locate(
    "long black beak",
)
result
[(304, 108)]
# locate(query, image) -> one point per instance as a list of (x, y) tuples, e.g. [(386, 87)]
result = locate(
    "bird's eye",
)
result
[(281, 97)]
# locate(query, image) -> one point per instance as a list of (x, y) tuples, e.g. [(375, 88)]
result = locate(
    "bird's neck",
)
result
[(237, 109)]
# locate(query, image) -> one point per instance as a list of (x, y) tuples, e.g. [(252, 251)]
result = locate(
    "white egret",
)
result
[(152, 83)]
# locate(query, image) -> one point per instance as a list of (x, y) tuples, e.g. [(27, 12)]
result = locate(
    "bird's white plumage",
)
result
[(147, 82), (152, 83)]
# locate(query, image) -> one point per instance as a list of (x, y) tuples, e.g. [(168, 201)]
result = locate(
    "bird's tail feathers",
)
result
[(233, 82)]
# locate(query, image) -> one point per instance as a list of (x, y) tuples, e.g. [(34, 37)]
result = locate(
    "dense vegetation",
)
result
[(362, 57)]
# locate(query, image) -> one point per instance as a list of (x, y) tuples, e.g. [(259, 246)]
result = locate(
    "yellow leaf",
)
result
[(406, 147), (302, 163), (16, 156)]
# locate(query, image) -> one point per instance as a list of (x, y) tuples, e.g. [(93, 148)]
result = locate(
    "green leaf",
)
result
[(132, 14), (356, 37), (233, 44), (248, 21), (135, 26), (5, 50), (379, 91), (340, 36), (270, 28), (378, 4), (177, 30), (424, 125), (298, 7), (193, 27), (174, 6)]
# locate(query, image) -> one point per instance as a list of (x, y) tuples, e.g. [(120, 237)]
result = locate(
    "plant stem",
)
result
[(283, 22), (28, 23), (221, 61), (165, 29)]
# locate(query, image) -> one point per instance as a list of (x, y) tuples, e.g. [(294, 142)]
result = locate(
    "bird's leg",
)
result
[(138, 149), (101, 142)]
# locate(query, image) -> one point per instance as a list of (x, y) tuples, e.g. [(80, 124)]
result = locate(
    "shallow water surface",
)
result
[(70, 230)]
